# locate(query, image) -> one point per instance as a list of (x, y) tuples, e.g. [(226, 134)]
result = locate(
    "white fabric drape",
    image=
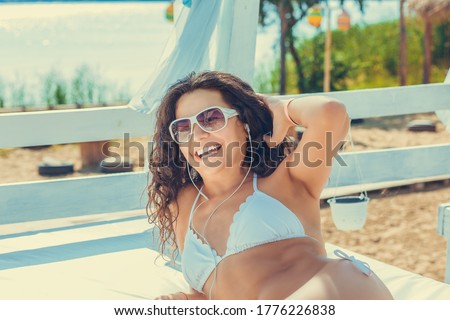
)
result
[(200, 41)]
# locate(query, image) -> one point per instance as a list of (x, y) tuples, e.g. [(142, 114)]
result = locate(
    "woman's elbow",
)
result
[(335, 112), (335, 107)]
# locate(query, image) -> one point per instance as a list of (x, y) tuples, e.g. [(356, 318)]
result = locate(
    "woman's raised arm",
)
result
[(326, 122)]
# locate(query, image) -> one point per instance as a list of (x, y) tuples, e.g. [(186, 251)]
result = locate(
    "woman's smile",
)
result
[(209, 151)]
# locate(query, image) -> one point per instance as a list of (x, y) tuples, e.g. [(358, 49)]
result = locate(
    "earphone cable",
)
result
[(210, 215)]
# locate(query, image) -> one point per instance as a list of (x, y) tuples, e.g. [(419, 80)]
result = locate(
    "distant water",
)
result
[(120, 41)]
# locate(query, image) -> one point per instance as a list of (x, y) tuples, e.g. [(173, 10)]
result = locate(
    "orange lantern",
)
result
[(314, 15), (343, 21), (169, 12)]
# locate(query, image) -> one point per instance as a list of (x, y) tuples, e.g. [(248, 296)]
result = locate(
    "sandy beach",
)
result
[(401, 225)]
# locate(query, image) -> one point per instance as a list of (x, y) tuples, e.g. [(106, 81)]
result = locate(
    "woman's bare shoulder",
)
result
[(185, 197), (279, 182)]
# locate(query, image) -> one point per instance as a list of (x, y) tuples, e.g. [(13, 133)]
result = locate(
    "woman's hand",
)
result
[(281, 124), (172, 296)]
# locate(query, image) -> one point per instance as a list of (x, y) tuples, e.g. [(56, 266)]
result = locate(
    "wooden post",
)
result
[(403, 47), (327, 63), (92, 153), (282, 14), (447, 265), (428, 44), (443, 224), (444, 115), (443, 229)]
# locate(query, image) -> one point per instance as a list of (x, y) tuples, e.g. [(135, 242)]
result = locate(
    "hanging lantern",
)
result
[(314, 15), (169, 12), (344, 20)]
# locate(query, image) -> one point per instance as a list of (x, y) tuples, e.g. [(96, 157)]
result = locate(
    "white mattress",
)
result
[(116, 261)]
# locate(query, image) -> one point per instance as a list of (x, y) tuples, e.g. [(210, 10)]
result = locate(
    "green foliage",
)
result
[(60, 93), (2, 94), (289, 13), (89, 87), (18, 93), (123, 93), (83, 86), (366, 57), (295, 9), (54, 89), (4, 153), (267, 79), (441, 47)]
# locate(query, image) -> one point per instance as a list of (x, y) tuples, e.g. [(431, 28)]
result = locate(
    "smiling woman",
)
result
[(212, 131)]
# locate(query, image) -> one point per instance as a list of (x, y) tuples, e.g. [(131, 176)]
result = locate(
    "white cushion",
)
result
[(117, 261)]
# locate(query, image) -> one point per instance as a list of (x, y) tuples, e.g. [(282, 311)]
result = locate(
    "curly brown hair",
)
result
[(169, 167)]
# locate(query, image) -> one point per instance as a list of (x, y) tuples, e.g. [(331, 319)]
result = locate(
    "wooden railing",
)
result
[(73, 197)]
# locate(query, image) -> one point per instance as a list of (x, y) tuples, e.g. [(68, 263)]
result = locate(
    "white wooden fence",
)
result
[(75, 197)]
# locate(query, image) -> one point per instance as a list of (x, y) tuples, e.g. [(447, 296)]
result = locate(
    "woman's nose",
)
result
[(198, 132)]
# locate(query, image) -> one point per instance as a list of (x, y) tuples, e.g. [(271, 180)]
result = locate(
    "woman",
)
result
[(241, 205)]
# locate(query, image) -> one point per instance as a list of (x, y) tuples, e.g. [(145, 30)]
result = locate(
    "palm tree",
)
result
[(431, 11)]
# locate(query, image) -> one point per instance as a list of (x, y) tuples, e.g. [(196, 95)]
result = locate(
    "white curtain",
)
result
[(200, 41)]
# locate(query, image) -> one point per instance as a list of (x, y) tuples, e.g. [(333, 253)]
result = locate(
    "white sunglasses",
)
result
[(212, 119)]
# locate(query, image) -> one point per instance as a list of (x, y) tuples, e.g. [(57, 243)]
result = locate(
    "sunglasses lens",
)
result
[(181, 130), (211, 119)]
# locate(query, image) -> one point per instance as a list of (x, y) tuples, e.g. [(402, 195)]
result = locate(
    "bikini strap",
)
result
[(193, 205), (254, 182), (361, 265)]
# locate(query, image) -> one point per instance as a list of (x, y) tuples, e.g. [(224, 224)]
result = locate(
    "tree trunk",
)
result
[(427, 43), (298, 64), (282, 14), (403, 48), (327, 62)]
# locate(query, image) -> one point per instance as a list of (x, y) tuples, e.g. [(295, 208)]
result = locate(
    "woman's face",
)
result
[(230, 141)]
